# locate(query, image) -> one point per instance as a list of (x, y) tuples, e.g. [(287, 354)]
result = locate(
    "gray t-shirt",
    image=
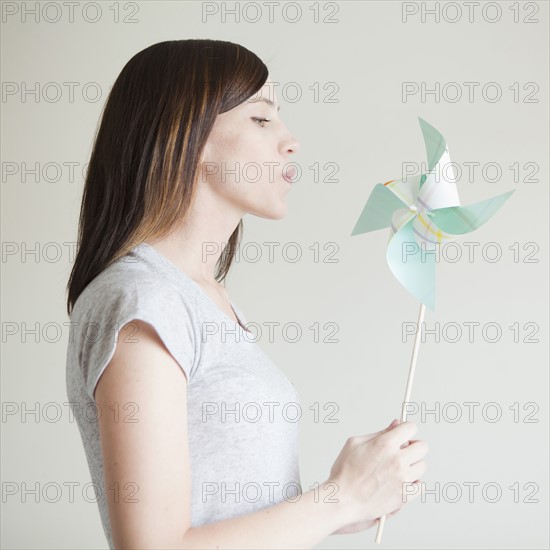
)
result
[(243, 411)]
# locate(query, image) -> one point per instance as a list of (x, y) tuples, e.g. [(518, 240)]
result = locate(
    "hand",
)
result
[(359, 526), (370, 472)]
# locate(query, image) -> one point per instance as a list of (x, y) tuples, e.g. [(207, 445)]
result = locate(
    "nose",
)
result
[(292, 145)]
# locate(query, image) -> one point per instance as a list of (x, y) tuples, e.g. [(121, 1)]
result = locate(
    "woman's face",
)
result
[(246, 157)]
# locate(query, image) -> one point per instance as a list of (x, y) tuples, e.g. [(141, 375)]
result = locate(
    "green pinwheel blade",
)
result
[(378, 210), (458, 220), (435, 145), (413, 268)]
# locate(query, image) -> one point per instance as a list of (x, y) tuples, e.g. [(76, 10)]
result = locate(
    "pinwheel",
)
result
[(422, 213)]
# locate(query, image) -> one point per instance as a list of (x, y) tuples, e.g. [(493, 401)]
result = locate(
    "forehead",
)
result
[(267, 94), (269, 89)]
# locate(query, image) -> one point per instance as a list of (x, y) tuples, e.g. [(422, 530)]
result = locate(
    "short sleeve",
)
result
[(109, 307)]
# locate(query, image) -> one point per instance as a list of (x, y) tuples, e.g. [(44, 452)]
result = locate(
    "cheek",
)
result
[(243, 161), (239, 162)]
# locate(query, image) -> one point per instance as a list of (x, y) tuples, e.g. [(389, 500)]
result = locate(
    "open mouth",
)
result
[(289, 173)]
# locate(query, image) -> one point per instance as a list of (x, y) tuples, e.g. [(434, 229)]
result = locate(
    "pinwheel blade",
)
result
[(377, 212), (458, 220), (413, 267), (438, 187), (427, 232), (406, 189), (423, 211), (435, 143)]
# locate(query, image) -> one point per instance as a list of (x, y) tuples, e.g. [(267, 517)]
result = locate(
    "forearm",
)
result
[(300, 524)]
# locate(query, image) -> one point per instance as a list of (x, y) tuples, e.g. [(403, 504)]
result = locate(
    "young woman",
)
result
[(165, 383)]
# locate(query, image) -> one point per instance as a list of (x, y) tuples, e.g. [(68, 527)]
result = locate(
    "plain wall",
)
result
[(356, 129)]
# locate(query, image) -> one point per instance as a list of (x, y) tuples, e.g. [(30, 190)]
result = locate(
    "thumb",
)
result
[(394, 423)]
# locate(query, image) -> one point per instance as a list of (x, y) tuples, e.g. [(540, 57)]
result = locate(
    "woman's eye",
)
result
[(261, 120)]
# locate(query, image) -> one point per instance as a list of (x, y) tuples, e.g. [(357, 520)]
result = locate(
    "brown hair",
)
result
[(144, 166)]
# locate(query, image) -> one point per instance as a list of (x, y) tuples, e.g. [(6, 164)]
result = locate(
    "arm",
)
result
[(300, 524), (152, 455)]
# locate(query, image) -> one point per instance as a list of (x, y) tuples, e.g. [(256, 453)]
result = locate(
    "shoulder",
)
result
[(127, 284), (128, 291), (131, 292)]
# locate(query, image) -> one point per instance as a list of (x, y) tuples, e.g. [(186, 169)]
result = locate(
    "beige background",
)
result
[(366, 133)]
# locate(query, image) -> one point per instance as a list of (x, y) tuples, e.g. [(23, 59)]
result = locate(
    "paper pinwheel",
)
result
[(423, 212)]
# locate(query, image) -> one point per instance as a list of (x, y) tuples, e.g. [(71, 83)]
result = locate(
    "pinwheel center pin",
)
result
[(413, 208)]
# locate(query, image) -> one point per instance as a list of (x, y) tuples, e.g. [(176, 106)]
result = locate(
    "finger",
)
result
[(416, 470), (401, 433), (415, 451), (389, 515), (393, 423), (409, 443)]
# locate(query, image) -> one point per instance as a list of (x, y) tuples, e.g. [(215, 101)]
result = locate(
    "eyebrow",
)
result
[(265, 100)]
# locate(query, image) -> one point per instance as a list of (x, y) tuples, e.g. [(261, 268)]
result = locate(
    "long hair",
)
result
[(144, 165)]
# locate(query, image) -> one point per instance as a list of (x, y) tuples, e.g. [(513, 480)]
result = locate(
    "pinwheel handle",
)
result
[(417, 340), (381, 522)]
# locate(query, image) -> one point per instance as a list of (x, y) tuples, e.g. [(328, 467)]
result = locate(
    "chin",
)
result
[(274, 212)]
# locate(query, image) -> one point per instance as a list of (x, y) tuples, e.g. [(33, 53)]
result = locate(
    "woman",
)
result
[(161, 373)]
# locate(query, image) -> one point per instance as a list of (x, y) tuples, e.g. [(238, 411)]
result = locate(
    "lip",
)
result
[(289, 173)]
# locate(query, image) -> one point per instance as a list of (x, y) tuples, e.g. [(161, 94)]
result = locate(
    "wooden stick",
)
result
[(417, 339)]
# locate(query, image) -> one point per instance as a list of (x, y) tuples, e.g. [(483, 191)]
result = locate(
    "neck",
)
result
[(196, 245)]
